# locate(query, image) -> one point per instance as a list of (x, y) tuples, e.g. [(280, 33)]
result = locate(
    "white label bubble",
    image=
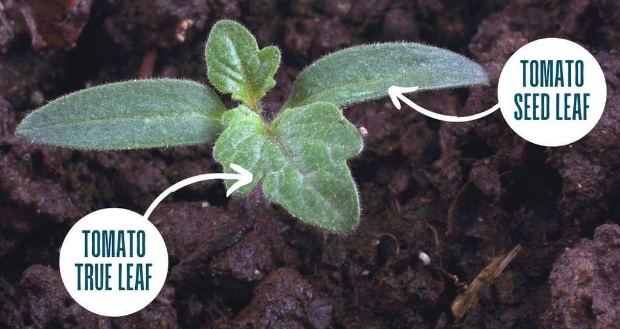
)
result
[(113, 262), (552, 92)]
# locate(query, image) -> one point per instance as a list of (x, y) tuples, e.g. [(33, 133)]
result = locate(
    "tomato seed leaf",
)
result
[(128, 115), (366, 72)]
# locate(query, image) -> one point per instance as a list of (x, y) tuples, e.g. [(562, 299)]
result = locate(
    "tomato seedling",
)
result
[(300, 158)]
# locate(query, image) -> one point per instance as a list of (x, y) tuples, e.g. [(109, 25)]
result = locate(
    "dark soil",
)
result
[(462, 193)]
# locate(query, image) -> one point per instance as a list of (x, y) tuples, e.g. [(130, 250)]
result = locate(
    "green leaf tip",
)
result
[(128, 115), (236, 66), (366, 72), (301, 158)]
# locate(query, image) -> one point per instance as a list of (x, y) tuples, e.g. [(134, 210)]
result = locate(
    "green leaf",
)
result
[(129, 115), (236, 66), (365, 73), (269, 62), (246, 143), (301, 158)]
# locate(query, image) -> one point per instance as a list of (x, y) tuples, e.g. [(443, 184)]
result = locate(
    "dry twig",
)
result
[(486, 278)]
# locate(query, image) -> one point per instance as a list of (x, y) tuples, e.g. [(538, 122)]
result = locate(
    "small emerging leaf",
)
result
[(128, 115), (269, 62), (236, 66), (365, 73), (301, 158)]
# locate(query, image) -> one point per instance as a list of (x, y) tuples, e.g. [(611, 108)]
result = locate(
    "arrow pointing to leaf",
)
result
[(396, 95), (242, 176)]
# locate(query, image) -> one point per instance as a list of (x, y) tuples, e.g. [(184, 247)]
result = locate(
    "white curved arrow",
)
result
[(396, 95), (242, 176)]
